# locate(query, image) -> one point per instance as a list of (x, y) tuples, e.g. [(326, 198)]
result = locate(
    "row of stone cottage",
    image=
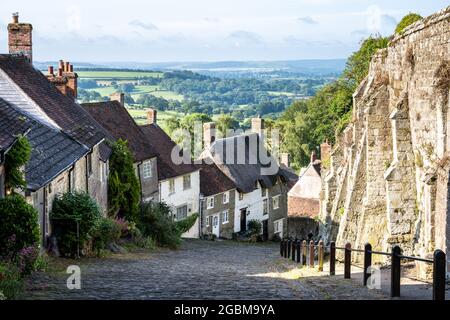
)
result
[(70, 151)]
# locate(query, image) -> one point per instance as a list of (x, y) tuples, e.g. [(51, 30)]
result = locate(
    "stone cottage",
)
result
[(113, 116), (217, 202), (54, 107), (261, 185), (179, 184), (303, 202)]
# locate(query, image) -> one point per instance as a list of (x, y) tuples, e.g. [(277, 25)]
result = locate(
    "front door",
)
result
[(244, 219), (266, 230), (216, 225)]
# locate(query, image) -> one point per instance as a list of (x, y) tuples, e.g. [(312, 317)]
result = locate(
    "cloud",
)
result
[(143, 25), (73, 20), (245, 36), (307, 20), (212, 19)]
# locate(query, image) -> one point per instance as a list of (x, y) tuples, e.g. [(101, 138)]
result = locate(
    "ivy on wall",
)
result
[(15, 159)]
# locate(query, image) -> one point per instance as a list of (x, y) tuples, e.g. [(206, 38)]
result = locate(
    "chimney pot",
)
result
[(313, 156), (20, 38), (285, 159), (61, 64), (66, 66), (50, 70), (15, 17), (60, 72), (209, 134), (118, 96), (152, 116), (71, 68)]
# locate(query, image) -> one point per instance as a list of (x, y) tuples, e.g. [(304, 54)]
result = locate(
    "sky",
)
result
[(205, 30)]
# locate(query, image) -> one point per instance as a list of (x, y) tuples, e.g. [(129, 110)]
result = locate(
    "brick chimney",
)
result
[(313, 156), (118, 96), (152, 116), (258, 126), (325, 150), (285, 159), (65, 80), (58, 80), (209, 134), (72, 80), (20, 38)]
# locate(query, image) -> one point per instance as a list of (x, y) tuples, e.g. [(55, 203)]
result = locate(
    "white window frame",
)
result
[(210, 203), (264, 192), (177, 218), (276, 200), (225, 214), (215, 221), (226, 197), (265, 206), (171, 186), (147, 169), (185, 186), (207, 221)]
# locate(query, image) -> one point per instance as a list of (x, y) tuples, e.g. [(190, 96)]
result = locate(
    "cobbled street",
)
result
[(198, 270)]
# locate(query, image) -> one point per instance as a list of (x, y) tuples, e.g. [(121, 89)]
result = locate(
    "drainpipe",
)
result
[(140, 179), (200, 215), (87, 174)]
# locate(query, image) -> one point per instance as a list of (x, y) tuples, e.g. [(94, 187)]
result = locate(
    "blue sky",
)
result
[(205, 30)]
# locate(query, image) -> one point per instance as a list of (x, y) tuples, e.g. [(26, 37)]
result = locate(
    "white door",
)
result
[(216, 225)]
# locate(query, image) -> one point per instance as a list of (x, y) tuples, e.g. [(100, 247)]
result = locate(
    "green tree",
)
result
[(124, 188), (306, 124), (18, 225), (17, 157), (226, 122), (406, 21), (74, 218)]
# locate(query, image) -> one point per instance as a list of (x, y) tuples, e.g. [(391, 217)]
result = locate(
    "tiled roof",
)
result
[(246, 166), (163, 145), (116, 119), (52, 151), (213, 181), (12, 124), (63, 110)]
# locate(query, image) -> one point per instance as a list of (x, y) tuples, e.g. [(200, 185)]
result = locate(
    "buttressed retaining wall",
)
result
[(388, 178)]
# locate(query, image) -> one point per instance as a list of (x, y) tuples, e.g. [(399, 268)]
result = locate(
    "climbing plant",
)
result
[(406, 21), (124, 189), (15, 159)]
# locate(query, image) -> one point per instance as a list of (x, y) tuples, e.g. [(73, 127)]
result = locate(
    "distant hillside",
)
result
[(230, 68)]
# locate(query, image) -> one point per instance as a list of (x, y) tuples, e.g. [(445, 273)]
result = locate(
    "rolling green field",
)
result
[(140, 116), (106, 78), (112, 75)]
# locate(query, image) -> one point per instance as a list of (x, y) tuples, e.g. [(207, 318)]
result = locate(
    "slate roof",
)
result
[(63, 110), (116, 119), (52, 151), (247, 166), (12, 124), (213, 181), (163, 145)]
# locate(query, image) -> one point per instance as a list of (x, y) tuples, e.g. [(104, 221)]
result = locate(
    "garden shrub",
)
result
[(11, 283), (18, 225), (406, 21), (26, 260), (254, 227), (15, 159), (106, 231), (124, 189), (186, 224), (68, 209), (155, 221)]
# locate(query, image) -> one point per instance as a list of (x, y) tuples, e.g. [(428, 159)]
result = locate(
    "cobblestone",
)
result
[(198, 270)]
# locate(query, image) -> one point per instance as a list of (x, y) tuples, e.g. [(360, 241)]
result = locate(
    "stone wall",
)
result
[(388, 175)]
